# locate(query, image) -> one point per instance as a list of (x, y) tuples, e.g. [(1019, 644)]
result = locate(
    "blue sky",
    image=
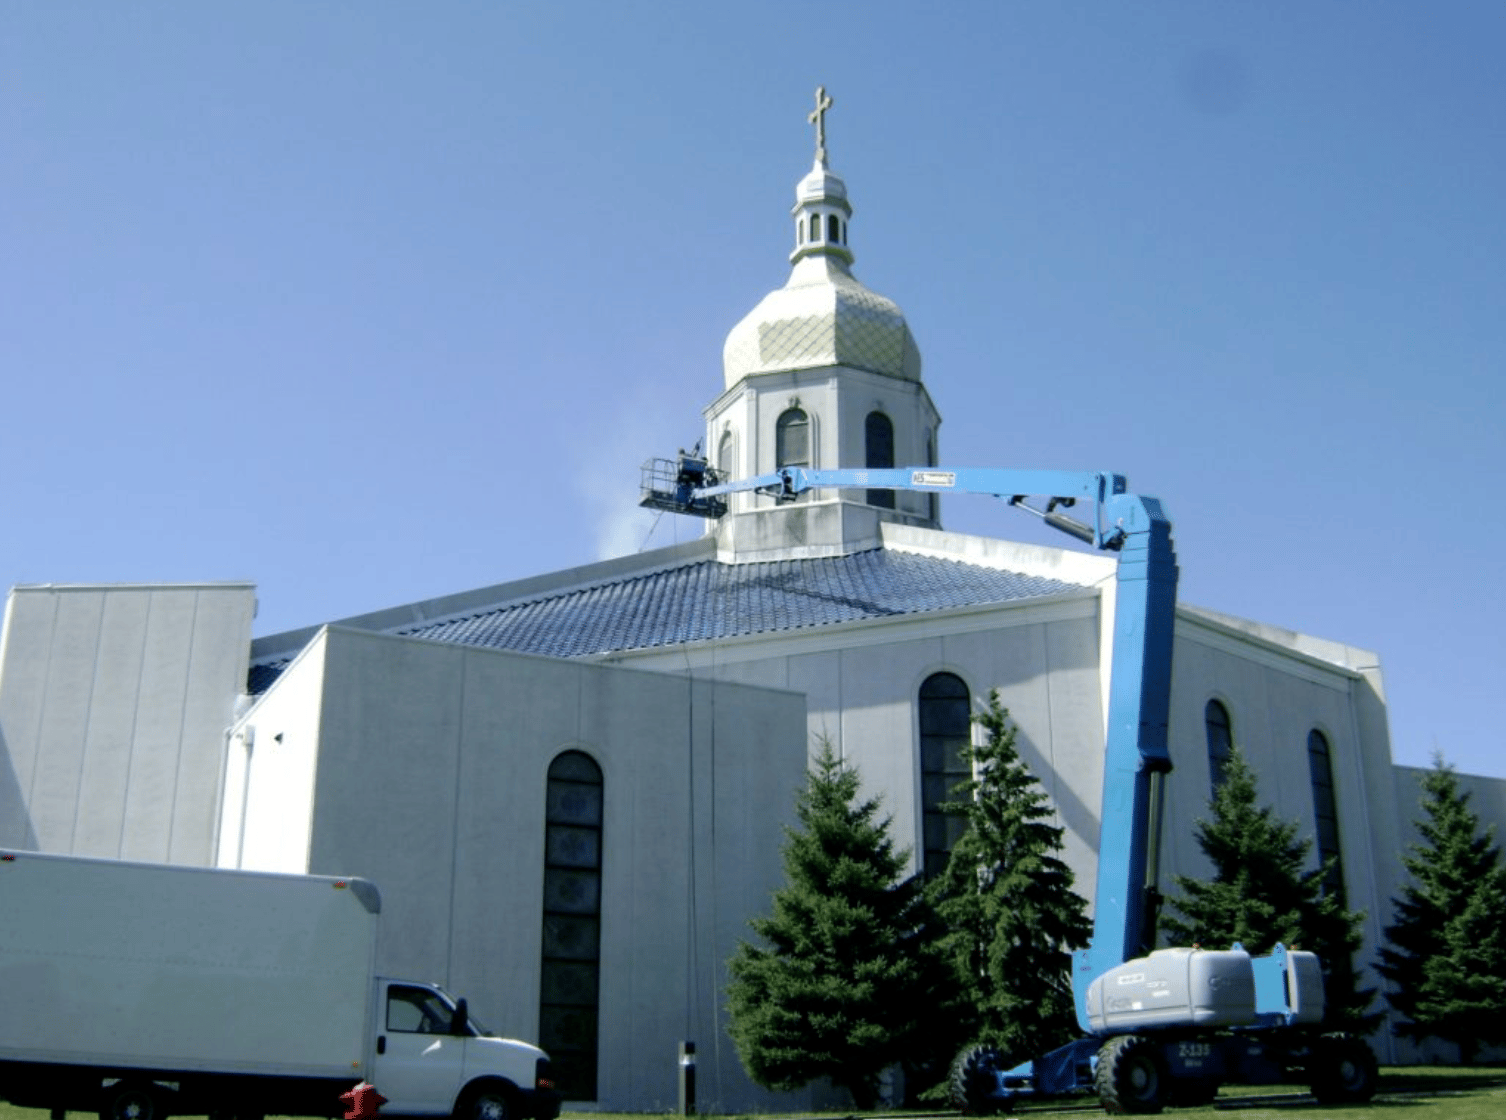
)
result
[(368, 302)]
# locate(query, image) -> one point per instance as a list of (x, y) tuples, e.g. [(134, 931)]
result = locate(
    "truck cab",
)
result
[(434, 1058)]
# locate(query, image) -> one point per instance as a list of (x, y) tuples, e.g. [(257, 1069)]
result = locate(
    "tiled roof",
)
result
[(708, 600), (259, 677)]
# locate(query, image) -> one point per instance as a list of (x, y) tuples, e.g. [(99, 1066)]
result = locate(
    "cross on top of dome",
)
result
[(818, 118)]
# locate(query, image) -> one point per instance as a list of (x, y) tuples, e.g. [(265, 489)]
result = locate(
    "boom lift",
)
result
[(1160, 1025)]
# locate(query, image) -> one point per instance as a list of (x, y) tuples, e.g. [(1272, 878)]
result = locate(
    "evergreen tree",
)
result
[(1446, 951), (849, 980), (1262, 893), (1007, 900)]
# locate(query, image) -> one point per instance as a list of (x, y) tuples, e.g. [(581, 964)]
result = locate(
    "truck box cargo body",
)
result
[(140, 990)]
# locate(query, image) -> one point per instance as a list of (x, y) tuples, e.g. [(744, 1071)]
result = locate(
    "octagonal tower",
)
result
[(823, 373)]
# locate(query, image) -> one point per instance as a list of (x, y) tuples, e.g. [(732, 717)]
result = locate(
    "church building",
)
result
[(571, 789)]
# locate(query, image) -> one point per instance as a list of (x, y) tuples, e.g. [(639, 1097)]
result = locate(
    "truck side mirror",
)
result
[(460, 1023)]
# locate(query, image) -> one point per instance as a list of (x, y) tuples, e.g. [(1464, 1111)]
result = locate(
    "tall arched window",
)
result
[(724, 455), (946, 711), (569, 976), (1325, 812), (1220, 741), (792, 439), (878, 439)]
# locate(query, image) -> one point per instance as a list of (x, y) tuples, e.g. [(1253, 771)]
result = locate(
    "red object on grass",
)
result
[(362, 1102)]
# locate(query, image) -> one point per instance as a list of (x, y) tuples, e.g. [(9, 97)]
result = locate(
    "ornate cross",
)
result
[(818, 118)]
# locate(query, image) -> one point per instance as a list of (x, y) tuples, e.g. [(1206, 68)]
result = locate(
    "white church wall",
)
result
[(1275, 697), (1387, 817), (431, 773), (114, 700), (909, 408), (862, 682), (271, 756)]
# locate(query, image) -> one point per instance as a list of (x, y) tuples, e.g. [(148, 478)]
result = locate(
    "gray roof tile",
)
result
[(709, 600)]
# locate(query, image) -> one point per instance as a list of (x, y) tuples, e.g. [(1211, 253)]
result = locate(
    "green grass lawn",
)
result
[(1406, 1093)]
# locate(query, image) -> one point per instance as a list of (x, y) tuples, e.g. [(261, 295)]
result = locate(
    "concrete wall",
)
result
[(1276, 694), (114, 700), (837, 400), (271, 760), (861, 686), (429, 775)]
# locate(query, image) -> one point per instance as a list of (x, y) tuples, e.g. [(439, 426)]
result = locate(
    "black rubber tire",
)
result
[(1131, 1076), (488, 1101), (971, 1083), (132, 1100), (1342, 1070)]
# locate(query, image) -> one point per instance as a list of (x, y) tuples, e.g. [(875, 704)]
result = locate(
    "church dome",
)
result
[(823, 316)]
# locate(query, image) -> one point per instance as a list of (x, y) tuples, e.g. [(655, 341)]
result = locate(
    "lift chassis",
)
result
[(1160, 1026)]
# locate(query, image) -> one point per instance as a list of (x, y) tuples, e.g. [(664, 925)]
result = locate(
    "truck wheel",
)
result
[(485, 1102), (971, 1085), (131, 1100), (1342, 1070), (1131, 1077)]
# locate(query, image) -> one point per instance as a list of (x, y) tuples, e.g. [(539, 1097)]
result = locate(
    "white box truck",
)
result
[(142, 990)]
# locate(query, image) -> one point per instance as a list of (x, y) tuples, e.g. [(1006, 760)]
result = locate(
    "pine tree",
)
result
[(1262, 892), (849, 979), (1007, 900), (1446, 952)]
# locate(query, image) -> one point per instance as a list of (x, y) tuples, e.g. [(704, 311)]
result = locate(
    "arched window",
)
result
[(833, 233), (878, 439), (569, 976), (1325, 812), (815, 227), (946, 711), (724, 455), (792, 439), (1220, 741)]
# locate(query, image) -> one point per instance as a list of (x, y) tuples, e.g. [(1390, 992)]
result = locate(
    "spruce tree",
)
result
[(849, 979), (1008, 902), (1446, 951), (1263, 892)]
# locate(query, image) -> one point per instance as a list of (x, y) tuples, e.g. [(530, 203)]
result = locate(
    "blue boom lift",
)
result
[(1160, 1026)]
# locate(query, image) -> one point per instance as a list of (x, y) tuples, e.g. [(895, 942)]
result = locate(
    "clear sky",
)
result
[(370, 302)]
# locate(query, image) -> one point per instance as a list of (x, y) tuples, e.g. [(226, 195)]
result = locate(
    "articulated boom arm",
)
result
[(1065, 489), (1136, 755)]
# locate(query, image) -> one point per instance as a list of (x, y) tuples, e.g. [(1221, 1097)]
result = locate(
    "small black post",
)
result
[(687, 1079)]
